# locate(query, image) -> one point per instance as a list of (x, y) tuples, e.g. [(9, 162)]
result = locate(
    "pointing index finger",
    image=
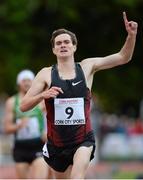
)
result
[(125, 17)]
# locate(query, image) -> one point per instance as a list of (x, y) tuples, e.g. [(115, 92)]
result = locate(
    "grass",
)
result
[(126, 175)]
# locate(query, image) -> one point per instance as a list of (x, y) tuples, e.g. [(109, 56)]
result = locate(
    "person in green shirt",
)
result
[(29, 131)]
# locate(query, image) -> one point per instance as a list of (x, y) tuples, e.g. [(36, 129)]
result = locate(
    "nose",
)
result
[(63, 45)]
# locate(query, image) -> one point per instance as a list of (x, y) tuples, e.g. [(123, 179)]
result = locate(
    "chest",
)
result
[(73, 84)]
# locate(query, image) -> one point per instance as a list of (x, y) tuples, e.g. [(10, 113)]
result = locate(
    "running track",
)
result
[(101, 170)]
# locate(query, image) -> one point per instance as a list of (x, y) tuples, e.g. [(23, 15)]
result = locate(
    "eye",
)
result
[(58, 43), (66, 41)]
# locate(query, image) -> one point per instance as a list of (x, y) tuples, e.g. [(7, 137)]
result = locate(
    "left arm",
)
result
[(122, 57)]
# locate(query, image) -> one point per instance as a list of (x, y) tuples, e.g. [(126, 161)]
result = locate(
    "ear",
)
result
[(75, 47), (53, 49)]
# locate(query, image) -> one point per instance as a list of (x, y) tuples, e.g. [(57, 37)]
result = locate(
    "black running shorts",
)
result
[(60, 158), (27, 151)]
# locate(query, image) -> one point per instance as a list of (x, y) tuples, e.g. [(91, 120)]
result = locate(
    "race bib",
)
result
[(69, 111), (30, 130)]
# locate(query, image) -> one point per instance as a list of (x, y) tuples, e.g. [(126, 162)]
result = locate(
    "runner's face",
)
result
[(25, 85), (63, 46)]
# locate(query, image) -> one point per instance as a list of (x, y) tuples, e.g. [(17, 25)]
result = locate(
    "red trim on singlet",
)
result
[(79, 135), (64, 135)]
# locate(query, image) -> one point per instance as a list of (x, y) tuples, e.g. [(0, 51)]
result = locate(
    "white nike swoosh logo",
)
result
[(76, 83)]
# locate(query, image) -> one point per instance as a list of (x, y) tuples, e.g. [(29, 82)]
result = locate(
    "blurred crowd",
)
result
[(111, 123)]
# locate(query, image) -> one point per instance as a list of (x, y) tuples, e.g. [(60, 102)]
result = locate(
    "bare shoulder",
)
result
[(89, 67), (87, 63), (90, 60), (45, 70), (10, 101), (43, 76), (93, 64), (44, 73)]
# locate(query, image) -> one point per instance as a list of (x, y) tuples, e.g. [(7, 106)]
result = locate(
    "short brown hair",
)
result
[(63, 31)]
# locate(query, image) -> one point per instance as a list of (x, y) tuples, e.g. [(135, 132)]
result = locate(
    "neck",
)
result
[(66, 64), (66, 69), (21, 94)]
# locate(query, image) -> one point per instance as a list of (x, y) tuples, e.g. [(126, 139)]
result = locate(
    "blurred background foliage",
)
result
[(25, 32)]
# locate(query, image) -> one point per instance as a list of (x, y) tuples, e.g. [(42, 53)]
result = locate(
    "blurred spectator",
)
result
[(28, 130), (136, 127)]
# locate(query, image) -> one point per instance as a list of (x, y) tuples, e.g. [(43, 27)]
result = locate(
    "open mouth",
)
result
[(64, 50)]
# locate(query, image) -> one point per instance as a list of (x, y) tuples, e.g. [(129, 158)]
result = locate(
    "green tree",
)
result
[(26, 27)]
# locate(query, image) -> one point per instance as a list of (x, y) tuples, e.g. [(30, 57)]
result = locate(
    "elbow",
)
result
[(23, 107), (7, 130), (125, 59)]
